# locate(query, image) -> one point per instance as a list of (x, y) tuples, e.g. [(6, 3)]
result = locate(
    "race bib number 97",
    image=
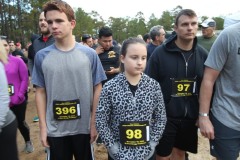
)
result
[(183, 87)]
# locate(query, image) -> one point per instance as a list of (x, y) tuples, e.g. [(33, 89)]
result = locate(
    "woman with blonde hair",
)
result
[(8, 122), (3, 53), (17, 77)]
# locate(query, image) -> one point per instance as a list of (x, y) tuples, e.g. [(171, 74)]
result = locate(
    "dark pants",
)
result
[(26, 96), (8, 142), (226, 144), (20, 111), (64, 148)]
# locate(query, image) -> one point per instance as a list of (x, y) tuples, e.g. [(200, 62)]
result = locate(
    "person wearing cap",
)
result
[(208, 36), (87, 40)]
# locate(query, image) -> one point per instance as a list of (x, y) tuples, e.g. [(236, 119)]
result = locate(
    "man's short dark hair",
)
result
[(85, 37), (146, 37), (105, 32), (186, 12)]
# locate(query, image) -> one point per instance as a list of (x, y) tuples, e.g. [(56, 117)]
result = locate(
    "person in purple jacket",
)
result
[(17, 77)]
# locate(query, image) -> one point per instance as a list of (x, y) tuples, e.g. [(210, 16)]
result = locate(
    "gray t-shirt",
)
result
[(225, 57), (68, 75)]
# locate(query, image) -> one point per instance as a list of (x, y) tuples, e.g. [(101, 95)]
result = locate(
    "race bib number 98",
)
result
[(134, 133)]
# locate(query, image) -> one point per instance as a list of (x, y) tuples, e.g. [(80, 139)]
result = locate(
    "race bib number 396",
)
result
[(66, 110)]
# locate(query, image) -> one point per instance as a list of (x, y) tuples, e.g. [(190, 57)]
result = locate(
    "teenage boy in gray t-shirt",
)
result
[(68, 77)]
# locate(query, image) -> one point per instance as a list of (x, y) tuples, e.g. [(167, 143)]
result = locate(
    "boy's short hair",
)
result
[(59, 6)]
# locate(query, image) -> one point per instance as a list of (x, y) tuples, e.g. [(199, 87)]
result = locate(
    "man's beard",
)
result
[(47, 32)]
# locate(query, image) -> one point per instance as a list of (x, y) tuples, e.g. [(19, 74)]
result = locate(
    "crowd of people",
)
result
[(146, 99)]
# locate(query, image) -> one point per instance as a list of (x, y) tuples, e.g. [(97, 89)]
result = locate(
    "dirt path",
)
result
[(100, 151)]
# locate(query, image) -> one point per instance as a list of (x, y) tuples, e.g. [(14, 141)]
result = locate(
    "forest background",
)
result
[(19, 20)]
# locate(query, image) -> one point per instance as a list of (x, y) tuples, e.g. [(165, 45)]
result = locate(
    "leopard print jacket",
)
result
[(118, 104)]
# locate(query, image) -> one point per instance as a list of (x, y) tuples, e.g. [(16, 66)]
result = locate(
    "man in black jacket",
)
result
[(178, 66)]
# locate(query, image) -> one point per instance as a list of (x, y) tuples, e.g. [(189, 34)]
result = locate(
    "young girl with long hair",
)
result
[(131, 117)]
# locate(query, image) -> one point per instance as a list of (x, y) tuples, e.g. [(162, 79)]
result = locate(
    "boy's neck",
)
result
[(65, 44)]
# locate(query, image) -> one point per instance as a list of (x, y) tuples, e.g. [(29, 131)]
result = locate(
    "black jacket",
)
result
[(31, 52), (20, 53), (167, 62), (110, 58)]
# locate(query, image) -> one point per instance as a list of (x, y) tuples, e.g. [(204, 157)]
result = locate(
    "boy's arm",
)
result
[(96, 94)]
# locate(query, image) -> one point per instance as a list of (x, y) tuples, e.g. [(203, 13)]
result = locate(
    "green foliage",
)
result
[(219, 23), (84, 24), (19, 19), (119, 28), (167, 20), (153, 21)]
